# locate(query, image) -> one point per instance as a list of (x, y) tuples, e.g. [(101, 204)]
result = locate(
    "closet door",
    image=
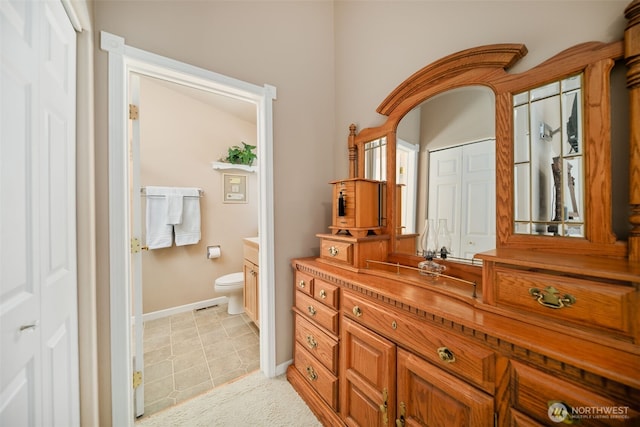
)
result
[(445, 191), (462, 190), (478, 213), (38, 283)]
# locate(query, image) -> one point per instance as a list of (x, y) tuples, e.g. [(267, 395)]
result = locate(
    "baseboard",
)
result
[(183, 308), (282, 368)]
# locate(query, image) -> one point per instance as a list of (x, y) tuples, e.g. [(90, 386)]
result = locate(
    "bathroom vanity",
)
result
[(543, 329), (251, 269)]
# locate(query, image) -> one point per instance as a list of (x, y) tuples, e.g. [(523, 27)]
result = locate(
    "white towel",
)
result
[(174, 208), (159, 233), (188, 232)]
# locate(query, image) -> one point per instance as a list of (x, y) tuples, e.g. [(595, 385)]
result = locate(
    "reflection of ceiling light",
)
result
[(546, 132)]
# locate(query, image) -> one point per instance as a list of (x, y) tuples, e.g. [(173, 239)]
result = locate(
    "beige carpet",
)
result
[(251, 401)]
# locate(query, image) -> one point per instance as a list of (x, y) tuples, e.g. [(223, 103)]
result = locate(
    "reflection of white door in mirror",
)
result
[(462, 191), (407, 178)]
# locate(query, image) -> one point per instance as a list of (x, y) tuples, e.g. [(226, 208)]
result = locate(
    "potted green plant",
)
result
[(241, 155)]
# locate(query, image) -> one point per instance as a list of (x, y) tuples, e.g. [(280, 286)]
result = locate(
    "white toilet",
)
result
[(232, 285)]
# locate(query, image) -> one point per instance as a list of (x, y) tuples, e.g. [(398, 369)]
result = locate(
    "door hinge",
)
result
[(495, 419), (137, 379), (136, 246), (133, 112)]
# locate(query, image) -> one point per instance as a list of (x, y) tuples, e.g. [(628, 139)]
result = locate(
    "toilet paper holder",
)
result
[(213, 252)]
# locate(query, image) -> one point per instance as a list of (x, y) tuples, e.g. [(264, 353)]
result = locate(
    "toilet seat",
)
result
[(230, 280)]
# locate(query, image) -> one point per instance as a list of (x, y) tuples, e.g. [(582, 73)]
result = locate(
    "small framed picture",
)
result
[(234, 188)]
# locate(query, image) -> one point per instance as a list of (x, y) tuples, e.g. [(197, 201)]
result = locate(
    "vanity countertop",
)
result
[(255, 241)]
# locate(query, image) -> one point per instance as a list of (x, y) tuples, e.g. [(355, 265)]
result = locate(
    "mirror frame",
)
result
[(487, 66)]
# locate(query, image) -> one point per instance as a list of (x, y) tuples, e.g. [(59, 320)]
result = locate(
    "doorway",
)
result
[(185, 342), (124, 60)]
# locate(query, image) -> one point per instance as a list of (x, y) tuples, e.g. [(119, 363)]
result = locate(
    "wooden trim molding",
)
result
[(495, 56)]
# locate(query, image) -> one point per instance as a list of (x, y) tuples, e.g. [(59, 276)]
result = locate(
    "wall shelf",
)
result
[(231, 166)]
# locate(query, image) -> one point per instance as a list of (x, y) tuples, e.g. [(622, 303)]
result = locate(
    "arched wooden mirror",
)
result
[(552, 130)]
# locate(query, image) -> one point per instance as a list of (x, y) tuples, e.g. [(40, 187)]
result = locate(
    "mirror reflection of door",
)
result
[(452, 118), (407, 179), (462, 191)]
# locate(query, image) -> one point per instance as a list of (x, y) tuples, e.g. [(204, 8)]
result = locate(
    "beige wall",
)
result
[(332, 63), (179, 138), (381, 43), (288, 45)]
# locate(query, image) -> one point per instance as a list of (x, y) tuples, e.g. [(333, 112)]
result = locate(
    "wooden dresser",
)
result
[(545, 328), (409, 352)]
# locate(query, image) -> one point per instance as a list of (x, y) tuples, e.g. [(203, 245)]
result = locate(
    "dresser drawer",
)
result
[(326, 293), (317, 312), (304, 282), (317, 376), (336, 251), (533, 392), (583, 302), (323, 347), (454, 354)]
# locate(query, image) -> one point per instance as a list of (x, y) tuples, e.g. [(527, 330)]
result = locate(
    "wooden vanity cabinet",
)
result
[(251, 280)]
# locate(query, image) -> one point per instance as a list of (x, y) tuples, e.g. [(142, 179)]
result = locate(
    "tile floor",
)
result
[(190, 353)]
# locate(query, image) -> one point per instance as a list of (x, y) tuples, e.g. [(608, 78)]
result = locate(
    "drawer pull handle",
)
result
[(323, 294), (446, 355), (301, 284), (549, 297), (312, 311), (333, 251), (384, 407), (394, 325), (311, 342), (311, 374), (357, 311), (403, 412)]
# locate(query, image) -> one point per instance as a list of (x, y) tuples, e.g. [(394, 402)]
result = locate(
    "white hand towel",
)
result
[(174, 208), (159, 233), (188, 232)]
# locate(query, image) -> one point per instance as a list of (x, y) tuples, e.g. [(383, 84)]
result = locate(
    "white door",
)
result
[(478, 216), (38, 286), (462, 191), (445, 173), (407, 176)]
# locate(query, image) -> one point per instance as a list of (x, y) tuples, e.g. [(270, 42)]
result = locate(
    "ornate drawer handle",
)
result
[(403, 413), (301, 284), (311, 342), (323, 293), (357, 311), (312, 311), (311, 374), (333, 251), (549, 297), (446, 355)]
